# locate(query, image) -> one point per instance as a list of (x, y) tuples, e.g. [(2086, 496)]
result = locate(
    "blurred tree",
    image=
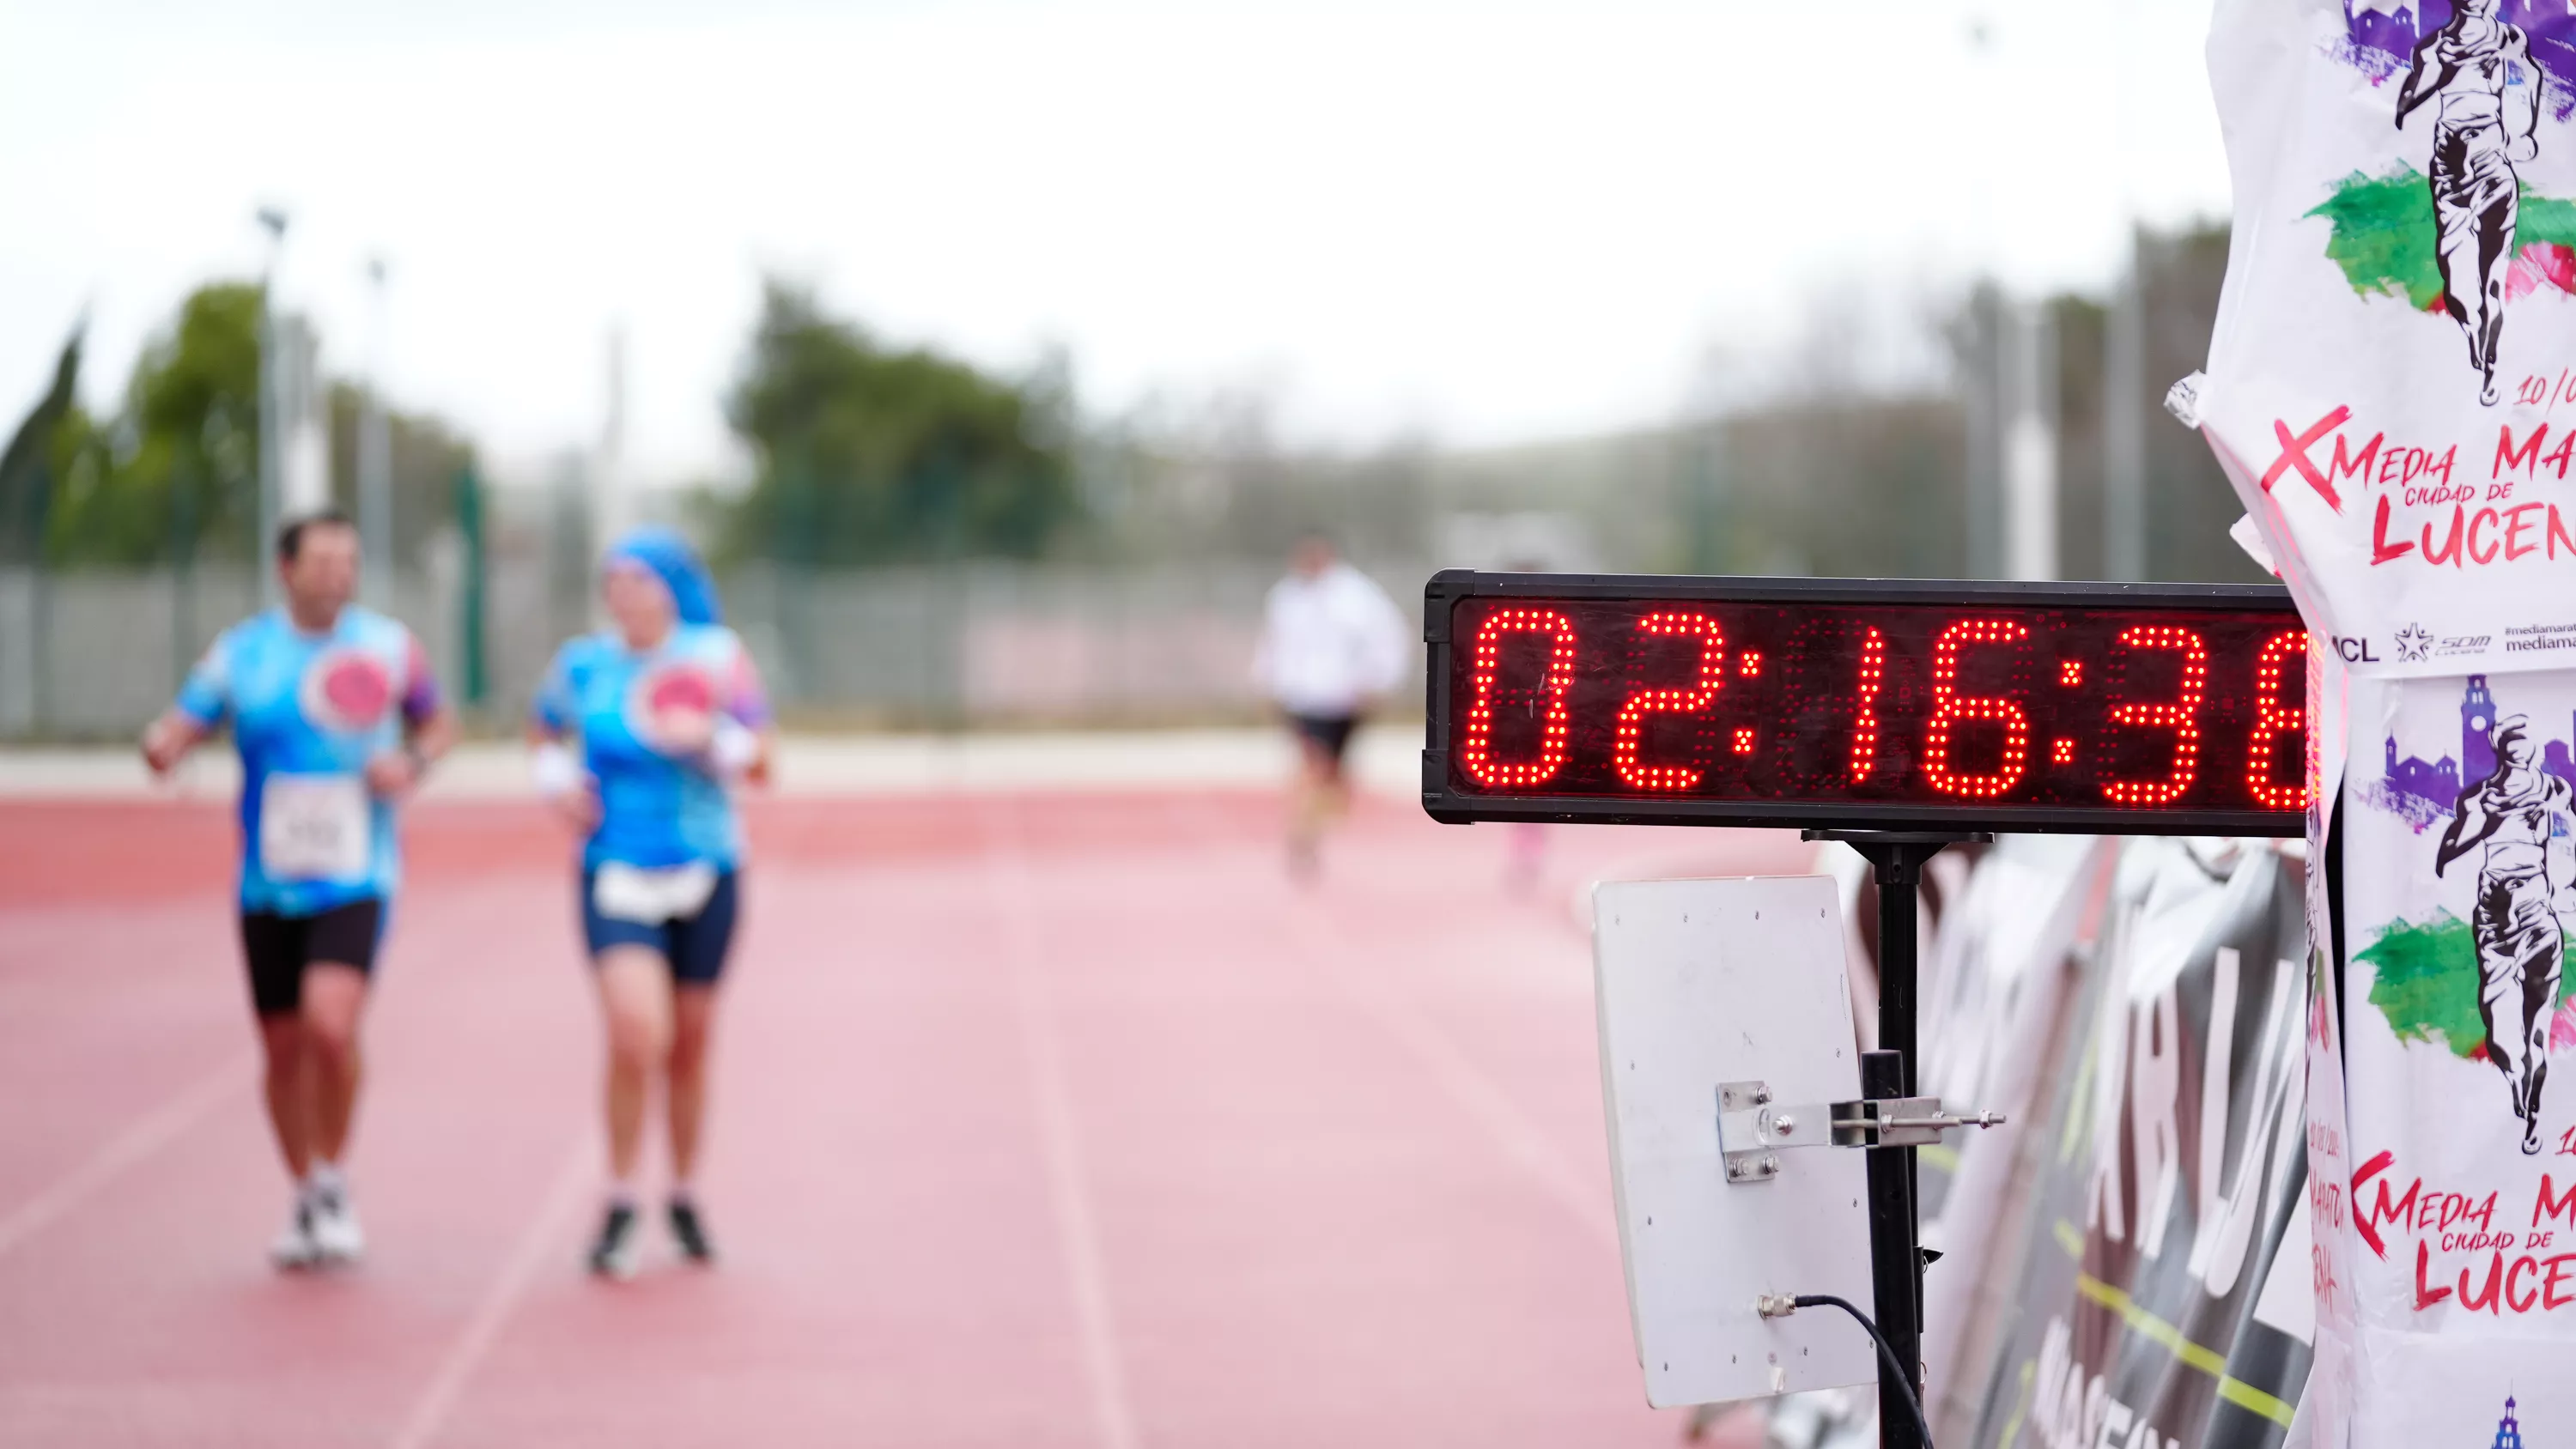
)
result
[(870, 454), (175, 474), (27, 468), (1841, 484), (1844, 486), (178, 468)]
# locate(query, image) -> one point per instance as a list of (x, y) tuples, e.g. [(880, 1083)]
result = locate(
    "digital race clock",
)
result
[(1865, 704)]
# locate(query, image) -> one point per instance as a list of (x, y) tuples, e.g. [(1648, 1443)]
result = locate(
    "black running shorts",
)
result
[(278, 949), (1331, 733), (695, 946)]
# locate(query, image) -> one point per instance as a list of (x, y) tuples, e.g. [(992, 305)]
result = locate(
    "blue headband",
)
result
[(676, 564)]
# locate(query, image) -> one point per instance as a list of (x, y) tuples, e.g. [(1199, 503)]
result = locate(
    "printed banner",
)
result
[(2448, 1243), (2166, 1300), (1994, 1012), (2392, 381)]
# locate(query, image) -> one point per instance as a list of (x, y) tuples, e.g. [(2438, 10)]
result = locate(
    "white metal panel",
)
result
[(1708, 981)]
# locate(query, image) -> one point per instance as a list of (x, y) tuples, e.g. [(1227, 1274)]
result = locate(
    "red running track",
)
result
[(1048, 1120)]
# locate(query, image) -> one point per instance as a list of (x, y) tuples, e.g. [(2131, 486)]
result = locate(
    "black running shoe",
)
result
[(690, 1233), (612, 1255)]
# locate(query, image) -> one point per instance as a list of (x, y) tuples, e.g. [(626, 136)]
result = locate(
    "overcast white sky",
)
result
[(1482, 222)]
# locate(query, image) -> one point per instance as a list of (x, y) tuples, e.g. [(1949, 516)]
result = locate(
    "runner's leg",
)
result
[(288, 1089), (273, 949), (699, 946), (693, 1010), (1336, 780), (635, 998), (1307, 801), (274, 946), (334, 994)]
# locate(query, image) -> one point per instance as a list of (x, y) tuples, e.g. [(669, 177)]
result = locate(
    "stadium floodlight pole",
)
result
[(2124, 362), (272, 443), (376, 460), (2029, 438)]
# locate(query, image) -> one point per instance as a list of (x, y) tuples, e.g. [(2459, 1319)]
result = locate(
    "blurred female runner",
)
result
[(668, 714)]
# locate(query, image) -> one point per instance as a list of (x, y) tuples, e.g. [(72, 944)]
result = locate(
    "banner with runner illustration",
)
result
[(2451, 1245), (2165, 1302), (2391, 383)]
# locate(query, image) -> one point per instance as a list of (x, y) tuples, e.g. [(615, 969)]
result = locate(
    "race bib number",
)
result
[(650, 897), (315, 827)]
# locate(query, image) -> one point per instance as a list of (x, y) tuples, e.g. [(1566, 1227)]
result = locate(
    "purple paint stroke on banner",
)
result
[(2425, 792), (2380, 37)]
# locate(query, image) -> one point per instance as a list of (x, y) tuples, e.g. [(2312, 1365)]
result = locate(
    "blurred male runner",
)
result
[(668, 712), (1331, 643), (336, 717)]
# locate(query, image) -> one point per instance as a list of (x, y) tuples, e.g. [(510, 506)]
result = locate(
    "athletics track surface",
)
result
[(1040, 1119)]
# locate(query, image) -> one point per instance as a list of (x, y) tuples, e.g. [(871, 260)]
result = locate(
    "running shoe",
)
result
[(337, 1238), (294, 1247), (691, 1233), (612, 1254)]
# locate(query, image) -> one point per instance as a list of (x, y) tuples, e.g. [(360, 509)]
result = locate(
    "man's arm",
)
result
[(2416, 92), (2525, 143), (2471, 810), (1389, 644), (204, 698), (428, 739), (429, 730), (167, 740)]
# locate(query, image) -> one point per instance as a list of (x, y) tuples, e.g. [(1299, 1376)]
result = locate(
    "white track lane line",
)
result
[(155, 1130), (1470, 1086), (429, 1413), (1068, 1186)]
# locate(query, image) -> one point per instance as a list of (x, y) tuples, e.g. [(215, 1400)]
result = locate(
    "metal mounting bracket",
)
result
[(1753, 1130)]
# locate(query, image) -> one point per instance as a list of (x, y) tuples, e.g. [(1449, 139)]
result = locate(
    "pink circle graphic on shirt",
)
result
[(346, 689), (665, 696)]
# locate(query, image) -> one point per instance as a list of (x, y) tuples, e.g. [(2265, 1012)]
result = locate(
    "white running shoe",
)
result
[(337, 1238), (294, 1247)]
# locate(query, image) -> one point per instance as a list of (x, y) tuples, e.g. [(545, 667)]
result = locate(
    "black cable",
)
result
[(1886, 1357)]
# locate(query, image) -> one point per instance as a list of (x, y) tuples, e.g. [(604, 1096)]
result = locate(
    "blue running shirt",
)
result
[(657, 809), (307, 712)]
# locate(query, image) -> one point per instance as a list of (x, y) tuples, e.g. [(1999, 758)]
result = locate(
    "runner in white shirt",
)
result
[(1332, 642)]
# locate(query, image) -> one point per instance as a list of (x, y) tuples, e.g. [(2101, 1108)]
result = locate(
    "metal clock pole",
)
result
[(1895, 1233)]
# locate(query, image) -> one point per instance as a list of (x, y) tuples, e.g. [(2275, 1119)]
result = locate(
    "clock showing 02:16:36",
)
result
[(1865, 704)]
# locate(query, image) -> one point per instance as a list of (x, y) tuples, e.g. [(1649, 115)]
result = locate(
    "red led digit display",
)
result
[(1866, 704), (1540, 699), (2012, 738), (1645, 702)]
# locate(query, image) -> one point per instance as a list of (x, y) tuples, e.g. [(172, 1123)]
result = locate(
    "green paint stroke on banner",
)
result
[(2383, 233), (2424, 979), (2209, 1361)]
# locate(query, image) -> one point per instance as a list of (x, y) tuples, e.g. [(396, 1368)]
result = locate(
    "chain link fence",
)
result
[(93, 655)]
